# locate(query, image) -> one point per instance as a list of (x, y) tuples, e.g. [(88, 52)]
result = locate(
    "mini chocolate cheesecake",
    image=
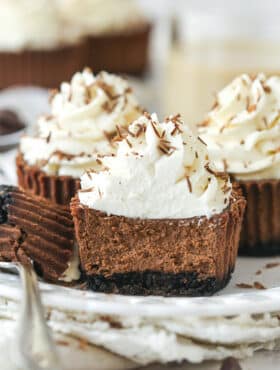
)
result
[(32, 230), (84, 117), (142, 232), (242, 132), (170, 257)]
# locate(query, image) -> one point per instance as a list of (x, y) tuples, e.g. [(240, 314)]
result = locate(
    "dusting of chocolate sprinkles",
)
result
[(258, 272), (225, 165), (105, 87), (203, 142), (99, 161), (242, 142), (196, 154), (189, 183)]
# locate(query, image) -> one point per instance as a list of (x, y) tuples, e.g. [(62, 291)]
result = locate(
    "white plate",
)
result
[(230, 301)]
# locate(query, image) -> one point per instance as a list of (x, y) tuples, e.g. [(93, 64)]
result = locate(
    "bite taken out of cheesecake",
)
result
[(83, 121), (158, 219), (33, 231)]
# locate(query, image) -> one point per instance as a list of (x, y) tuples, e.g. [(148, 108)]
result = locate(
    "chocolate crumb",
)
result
[(272, 265), (252, 108), (230, 363), (258, 272), (258, 285)]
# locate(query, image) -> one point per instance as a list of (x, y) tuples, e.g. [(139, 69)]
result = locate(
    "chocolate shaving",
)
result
[(155, 129), (189, 183), (48, 138), (203, 142), (267, 89), (244, 286), (196, 154), (62, 155), (272, 265), (225, 165), (258, 272)]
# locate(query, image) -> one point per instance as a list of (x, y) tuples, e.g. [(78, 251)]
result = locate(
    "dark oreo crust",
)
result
[(185, 284), (5, 200)]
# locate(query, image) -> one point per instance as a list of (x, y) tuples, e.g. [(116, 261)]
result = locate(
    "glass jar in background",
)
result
[(215, 43)]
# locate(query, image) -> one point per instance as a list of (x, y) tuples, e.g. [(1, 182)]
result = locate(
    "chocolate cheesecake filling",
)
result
[(187, 257), (31, 229)]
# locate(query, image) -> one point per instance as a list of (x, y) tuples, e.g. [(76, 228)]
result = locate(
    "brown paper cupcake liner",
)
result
[(57, 189), (260, 234), (32, 229), (44, 68), (120, 52), (168, 257)]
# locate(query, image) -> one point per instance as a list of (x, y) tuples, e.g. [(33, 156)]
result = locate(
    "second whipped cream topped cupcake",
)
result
[(158, 219), (242, 132), (84, 117)]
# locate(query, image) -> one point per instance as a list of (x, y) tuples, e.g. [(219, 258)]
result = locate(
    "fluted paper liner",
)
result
[(261, 227), (44, 68), (57, 189), (125, 52), (36, 230)]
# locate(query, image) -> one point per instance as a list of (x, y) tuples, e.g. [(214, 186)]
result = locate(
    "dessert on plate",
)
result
[(117, 33), (85, 116), (36, 45), (158, 219), (31, 229), (242, 133)]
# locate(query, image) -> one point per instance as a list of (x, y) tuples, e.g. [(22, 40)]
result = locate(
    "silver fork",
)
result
[(34, 346)]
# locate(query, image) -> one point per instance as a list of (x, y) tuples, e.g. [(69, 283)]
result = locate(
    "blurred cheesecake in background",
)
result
[(36, 46), (44, 42), (117, 30)]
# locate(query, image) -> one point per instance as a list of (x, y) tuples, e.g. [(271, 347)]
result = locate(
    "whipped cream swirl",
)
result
[(242, 130), (83, 120), (160, 170)]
